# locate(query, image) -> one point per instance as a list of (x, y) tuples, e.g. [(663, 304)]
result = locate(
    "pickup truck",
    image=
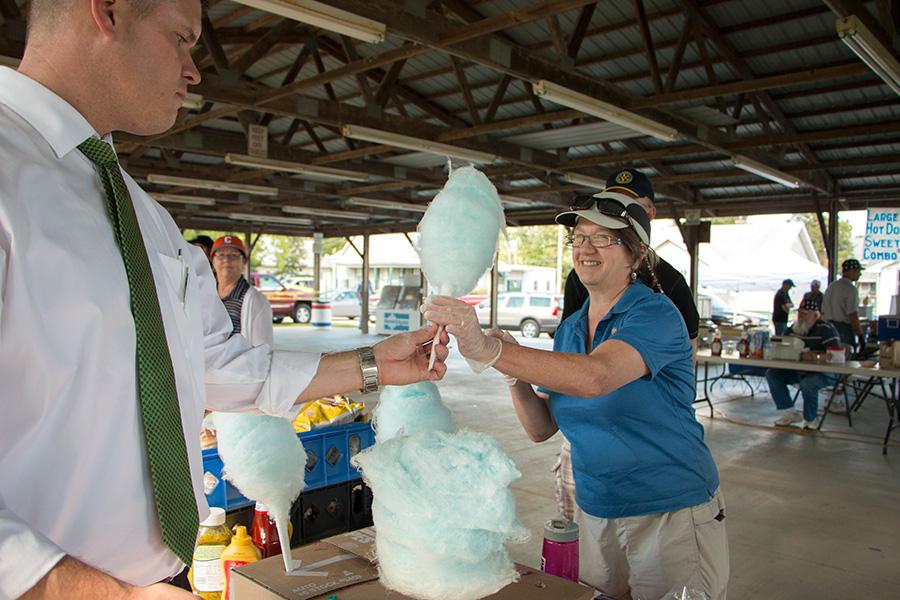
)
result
[(295, 303)]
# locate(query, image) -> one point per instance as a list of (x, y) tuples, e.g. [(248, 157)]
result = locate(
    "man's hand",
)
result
[(403, 358), (460, 319), (502, 335)]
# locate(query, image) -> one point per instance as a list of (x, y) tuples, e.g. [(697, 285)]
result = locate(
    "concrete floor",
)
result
[(810, 515)]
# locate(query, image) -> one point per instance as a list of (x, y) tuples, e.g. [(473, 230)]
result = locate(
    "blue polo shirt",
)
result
[(639, 449)]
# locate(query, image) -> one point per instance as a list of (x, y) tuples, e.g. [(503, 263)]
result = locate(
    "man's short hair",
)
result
[(48, 14)]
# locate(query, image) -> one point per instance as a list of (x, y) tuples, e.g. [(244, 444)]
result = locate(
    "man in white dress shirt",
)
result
[(78, 517)]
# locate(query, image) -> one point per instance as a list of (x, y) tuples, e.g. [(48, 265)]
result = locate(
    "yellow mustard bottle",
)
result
[(241, 551), (205, 574)]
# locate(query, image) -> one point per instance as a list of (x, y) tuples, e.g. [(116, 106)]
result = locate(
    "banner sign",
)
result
[(882, 235)]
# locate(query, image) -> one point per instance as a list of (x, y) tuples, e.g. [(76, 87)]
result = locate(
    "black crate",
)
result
[(360, 504), (322, 513)]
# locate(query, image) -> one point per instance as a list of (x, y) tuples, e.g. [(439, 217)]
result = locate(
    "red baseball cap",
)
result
[(228, 241)]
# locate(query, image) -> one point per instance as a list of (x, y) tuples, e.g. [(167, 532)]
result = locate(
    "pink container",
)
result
[(559, 556)]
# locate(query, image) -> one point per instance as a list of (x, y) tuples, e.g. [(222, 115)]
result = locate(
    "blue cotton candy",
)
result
[(443, 512), (265, 460), (406, 409), (459, 231)]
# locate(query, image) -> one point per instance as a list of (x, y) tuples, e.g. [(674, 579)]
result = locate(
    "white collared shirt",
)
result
[(73, 470)]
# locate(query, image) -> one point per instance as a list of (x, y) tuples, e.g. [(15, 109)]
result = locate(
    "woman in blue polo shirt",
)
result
[(620, 385)]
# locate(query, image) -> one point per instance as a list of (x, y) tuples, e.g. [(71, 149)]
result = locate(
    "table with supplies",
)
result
[(870, 376)]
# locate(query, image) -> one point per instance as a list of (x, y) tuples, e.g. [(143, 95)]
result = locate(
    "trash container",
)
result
[(321, 315)]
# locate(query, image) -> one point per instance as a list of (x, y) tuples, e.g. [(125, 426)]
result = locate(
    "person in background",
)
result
[(101, 477), (841, 303), (620, 381), (817, 335), (815, 292), (204, 242), (636, 185), (250, 312), (782, 305)]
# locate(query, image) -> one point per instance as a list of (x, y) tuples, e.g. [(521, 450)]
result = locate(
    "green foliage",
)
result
[(534, 245), (845, 236), (333, 245), (289, 253)]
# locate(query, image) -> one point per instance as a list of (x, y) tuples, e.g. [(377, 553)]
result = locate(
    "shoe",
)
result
[(838, 406), (812, 425), (789, 418)]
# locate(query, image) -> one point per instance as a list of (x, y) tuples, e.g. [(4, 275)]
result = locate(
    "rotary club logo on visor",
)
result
[(624, 177)]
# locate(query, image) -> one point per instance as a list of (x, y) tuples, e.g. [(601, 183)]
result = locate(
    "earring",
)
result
[(633, 277)]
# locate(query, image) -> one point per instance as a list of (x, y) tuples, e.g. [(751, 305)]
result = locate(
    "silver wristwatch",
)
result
[(369, 369)]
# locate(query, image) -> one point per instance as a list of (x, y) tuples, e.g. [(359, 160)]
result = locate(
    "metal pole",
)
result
[(318, 248), (832, 240), (694, 252), (495, 283), (364, 318)]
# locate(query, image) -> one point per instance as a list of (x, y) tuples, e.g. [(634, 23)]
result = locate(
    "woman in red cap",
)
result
[(249, 310)]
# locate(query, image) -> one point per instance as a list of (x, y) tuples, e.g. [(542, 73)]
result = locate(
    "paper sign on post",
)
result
[(882, 235)]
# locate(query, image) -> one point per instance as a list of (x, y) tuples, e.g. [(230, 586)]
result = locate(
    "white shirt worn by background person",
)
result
[(841, 299), (256, 318), (73, 469)]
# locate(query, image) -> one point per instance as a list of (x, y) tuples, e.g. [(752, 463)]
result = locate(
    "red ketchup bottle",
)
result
[(716, 347), (264, 532)]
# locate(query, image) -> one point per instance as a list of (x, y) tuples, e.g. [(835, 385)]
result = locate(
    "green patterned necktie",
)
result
[(163, 432)]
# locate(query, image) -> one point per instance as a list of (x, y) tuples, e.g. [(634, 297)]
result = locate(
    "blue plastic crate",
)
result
[(328, 453)]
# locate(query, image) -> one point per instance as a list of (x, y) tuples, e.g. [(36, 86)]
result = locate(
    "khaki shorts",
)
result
[(654, 557)]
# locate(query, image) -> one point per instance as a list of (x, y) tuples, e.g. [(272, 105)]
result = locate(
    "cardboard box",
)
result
[(341, 565)]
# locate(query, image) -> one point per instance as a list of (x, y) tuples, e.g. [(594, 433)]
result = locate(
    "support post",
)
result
[(318, 248), (495, 284), (832, 241), (364, 312)]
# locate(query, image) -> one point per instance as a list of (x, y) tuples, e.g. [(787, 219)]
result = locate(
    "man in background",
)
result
[(782, 305), (815, 292), (817, 335), (841, 303)]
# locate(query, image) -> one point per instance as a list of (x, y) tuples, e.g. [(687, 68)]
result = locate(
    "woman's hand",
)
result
[(460, 320)]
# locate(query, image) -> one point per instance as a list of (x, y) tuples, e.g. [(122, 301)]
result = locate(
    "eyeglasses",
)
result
[(226, 256), (597, 240)]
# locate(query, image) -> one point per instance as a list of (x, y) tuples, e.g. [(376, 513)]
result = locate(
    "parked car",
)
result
[(530, 313), (720, 313), (295, 303)]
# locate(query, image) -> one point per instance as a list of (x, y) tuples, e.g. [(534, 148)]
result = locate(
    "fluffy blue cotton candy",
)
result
[(265, 460), (443, 512), (406, 409), (459, 231)]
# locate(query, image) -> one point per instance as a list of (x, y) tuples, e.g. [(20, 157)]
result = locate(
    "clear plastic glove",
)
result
[(504, 336), (460, 320)]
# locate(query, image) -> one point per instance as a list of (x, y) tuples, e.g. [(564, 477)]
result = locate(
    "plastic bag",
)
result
[(336, 410)]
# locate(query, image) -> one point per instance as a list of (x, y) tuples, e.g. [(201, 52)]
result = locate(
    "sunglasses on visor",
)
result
[(631, 214)]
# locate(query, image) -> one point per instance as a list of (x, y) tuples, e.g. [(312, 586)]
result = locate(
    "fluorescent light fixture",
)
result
[(515, 200), (323, 16), (193, 101), (391, 204), (585, 180), (208, 184), (328, 173), (358, 132), (863, 42), (324, 212), (752, 166), (603, 110), (269, 219), (198, 200)]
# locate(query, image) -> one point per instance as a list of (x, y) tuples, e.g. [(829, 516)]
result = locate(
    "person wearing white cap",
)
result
[(619, 385)]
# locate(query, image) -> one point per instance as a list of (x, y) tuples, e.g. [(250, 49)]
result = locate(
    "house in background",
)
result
[(393, 261)]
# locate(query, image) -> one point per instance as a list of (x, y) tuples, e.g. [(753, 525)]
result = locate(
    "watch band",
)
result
[(369, 369)]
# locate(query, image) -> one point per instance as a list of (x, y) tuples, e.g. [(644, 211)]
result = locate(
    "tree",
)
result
[(333, 245), (534, 245), (289, 253), (845, 236)]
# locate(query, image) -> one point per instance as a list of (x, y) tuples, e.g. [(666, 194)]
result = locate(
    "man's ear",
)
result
[(105, 15)]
